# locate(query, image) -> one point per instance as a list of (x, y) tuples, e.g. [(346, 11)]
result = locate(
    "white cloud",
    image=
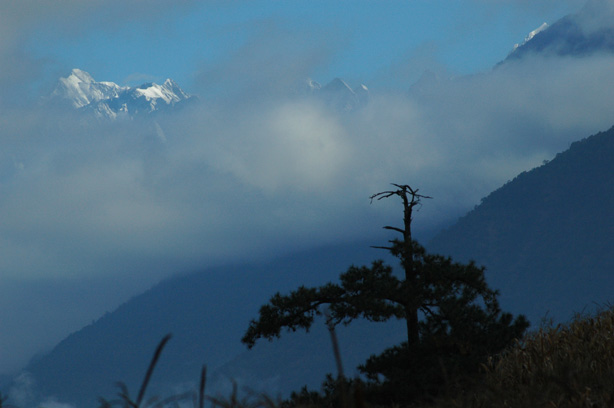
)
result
[(290, 145)]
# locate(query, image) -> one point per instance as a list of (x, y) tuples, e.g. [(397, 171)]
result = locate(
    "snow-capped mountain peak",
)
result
[(587, 32), (530, 36), (169, 92), (107, 99), (336, 94), (78, 75), (81, 89)]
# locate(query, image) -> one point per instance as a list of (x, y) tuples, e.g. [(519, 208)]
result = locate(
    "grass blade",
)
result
[(150, 369)]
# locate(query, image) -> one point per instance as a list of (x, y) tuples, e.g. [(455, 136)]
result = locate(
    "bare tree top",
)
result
[(403, 191)]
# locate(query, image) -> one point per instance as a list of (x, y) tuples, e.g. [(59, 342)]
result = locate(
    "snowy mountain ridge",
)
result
[(109, 100), (588, 32), (530, 36), (81, 89)]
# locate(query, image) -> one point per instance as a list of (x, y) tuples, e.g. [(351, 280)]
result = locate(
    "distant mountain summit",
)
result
[(337, 94), (589, 31), (80, 89), (530, 36), (109, 100)]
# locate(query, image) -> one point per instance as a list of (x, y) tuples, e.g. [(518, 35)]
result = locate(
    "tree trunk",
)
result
[(411, 312), (410, 199)]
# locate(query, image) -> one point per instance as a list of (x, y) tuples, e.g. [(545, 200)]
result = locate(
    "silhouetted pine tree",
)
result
[(454, 321)]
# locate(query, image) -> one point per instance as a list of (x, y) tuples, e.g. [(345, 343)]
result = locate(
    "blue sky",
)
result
[(366, 41)]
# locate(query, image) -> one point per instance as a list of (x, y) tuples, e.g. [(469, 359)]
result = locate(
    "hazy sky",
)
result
[(93, 213), (367, 41)]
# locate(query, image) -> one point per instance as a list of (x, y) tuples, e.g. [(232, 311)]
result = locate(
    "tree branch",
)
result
[(402, 231)]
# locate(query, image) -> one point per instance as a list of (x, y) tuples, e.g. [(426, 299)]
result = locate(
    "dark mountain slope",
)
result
[(547, 237), (207, 313)]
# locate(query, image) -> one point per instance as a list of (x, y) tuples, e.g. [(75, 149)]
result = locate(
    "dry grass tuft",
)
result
[(564, 366)]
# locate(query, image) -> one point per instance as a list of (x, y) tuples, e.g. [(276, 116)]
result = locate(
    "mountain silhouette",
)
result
[(546, 236)]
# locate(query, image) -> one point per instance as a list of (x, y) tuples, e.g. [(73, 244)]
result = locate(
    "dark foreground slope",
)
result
[(207, 313), (547, 237)]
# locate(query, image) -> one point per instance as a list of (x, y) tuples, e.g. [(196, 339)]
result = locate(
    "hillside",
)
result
[(546, 236), (207, 312)]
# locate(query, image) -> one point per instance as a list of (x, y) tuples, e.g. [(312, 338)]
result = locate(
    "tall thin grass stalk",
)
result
[(150, 369), (124, 395), (201, 388)]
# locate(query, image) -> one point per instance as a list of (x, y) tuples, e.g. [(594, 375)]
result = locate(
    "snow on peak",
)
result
[(532, 34), (107, 99), (80, 89), (169, 92), (154, 91), (77, 75)]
